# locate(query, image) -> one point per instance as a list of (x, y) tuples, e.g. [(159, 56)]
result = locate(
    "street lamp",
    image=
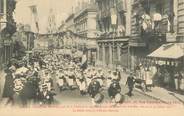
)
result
[(113, 22), (182, 47)]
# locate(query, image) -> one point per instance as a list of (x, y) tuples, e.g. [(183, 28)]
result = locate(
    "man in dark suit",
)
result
[(130, 82)]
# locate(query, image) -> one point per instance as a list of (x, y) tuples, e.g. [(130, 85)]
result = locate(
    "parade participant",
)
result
[(93, 73), (113, 90), (130, 82), (109, 78), (46, 97), (47, 80), (60, 79), (115, 76), (93, 90), (71, 78), (88, 76), (81, 82), (100, 77), (31, 86), (19, 89)]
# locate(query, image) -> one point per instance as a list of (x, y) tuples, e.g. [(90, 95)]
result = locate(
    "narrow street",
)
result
[(57, 53), (73, 97)]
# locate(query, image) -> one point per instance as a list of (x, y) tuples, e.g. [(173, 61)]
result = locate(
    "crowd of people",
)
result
[(145, 76), (34, 80), (170, 77)]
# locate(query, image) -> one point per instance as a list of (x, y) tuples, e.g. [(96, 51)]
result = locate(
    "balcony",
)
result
[(137, 41), (121, 6)]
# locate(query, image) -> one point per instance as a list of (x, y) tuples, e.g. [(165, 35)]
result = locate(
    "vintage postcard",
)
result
[(90, 57)]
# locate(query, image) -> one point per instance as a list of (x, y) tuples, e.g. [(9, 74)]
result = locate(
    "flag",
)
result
[(34, 11), (37, 26)]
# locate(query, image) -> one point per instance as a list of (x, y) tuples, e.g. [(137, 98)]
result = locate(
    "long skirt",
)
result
[(182, 85), (70, 82), (176, 82)]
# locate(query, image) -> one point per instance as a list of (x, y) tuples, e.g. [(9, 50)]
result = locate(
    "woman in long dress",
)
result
[(8, 87)]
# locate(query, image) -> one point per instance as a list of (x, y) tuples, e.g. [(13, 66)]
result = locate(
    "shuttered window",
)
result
[(1, 6)]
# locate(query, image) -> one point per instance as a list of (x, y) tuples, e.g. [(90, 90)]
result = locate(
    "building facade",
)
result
[(153, 23), (180, 19), (69, 23), (7, 28), (85, 27), (2, 26), (113, 19)]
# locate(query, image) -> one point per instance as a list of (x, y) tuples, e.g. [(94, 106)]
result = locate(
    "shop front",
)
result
[(169, 60), (113, 52)]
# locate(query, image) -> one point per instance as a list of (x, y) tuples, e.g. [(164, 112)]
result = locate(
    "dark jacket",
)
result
[(114, 89), (93, 88), (8, 87), (130, 81)]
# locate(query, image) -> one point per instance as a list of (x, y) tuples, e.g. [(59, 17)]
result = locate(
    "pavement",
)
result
[(159, 93), (163, 95)]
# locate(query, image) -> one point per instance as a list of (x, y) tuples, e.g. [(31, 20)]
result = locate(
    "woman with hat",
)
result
[(8, 87)]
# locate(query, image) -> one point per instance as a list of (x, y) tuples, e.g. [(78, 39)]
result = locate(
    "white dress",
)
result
[(148, 78)]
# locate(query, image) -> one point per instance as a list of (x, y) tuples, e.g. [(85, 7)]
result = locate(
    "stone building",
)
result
[(7, 28), (85, 27), (153, 23), (113, 20)]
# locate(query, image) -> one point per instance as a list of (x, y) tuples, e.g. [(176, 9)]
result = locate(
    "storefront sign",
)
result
[(170, 37)]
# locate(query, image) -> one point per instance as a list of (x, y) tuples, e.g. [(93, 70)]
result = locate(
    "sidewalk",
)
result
[(158, 93), (163, 95)]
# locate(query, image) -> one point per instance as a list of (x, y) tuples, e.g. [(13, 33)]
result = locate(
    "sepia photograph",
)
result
[(92, 56)]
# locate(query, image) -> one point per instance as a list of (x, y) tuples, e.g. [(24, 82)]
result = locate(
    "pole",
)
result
[(113, 49)]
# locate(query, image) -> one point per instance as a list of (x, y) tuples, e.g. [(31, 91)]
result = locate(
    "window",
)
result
[(1, 6), (112, 3)]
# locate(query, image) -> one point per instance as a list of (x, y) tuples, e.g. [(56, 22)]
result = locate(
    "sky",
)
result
[(61, 9)]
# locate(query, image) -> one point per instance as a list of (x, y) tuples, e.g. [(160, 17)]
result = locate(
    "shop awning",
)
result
[(170, 51)]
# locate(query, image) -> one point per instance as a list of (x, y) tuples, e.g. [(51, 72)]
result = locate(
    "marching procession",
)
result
[(35, 81)]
